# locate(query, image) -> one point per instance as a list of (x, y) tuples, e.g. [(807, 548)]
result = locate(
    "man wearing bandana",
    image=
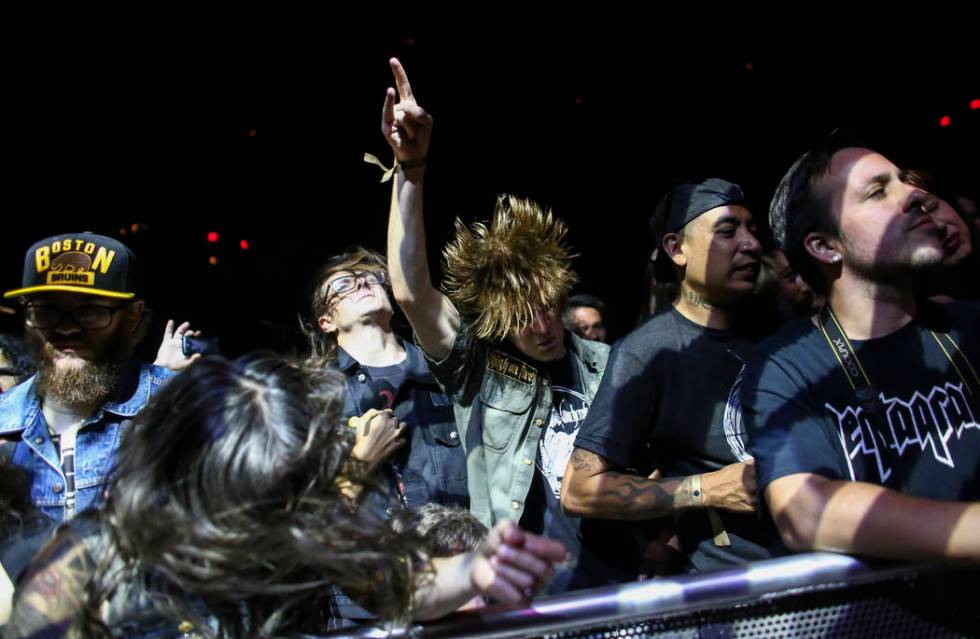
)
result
[(663, 439)]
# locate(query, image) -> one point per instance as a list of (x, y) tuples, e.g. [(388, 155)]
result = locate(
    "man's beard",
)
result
[(84, 382), (919, 262)]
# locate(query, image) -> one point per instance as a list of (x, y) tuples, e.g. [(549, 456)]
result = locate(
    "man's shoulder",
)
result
[(657, 333), (150, 379), (157, 373), (792, 340)]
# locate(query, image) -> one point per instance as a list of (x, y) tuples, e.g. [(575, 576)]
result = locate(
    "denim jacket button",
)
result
[(454, 435), (57, 488), (38, 440), (362, 378)]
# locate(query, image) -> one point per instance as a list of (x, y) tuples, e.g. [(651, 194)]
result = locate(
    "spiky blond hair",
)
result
[(502, 276)]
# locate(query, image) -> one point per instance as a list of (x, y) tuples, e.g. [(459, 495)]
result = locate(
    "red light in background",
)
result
[(244, 245), (975, 104), (944, 121), (213, 237)]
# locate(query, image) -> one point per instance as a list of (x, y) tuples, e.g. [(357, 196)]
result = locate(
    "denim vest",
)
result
[(502, 400), (432, 468), (22, 425)]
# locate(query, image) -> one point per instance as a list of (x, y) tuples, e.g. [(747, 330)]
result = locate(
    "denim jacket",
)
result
[(22, 426), (502, 400), (433, 468)]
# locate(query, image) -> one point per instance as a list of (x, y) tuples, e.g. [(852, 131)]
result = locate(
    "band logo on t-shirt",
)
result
[(932, 422)]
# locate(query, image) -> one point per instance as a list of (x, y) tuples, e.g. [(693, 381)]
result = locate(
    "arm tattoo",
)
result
[(584, 461), (52, 597), (650, 497), (628, 489)]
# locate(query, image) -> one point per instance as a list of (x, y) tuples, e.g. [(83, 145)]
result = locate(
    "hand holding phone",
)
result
[(196, 344)]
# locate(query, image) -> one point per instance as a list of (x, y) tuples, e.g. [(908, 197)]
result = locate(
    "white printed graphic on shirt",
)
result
[(924, 424), (734, 430), (558, 438)]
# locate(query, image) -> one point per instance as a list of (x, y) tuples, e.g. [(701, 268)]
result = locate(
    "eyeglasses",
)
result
[(348, 283), (88, 316)]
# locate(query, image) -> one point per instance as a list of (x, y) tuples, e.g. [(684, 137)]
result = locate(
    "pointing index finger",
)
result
[(401, 80)]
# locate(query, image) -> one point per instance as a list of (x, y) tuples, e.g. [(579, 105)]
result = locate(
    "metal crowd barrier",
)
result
[(810, 595)]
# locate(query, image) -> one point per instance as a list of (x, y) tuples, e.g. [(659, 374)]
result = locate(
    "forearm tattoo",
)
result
[(631, 495), (651, 497)]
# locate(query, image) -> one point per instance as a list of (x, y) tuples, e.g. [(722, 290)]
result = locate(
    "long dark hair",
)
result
[(16, 508), (225, 497)]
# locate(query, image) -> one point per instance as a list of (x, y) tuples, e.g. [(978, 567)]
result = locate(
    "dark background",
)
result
[(255, 129)]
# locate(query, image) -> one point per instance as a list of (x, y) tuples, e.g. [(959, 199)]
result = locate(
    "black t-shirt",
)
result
[(388, 380), (542, 513), (669, 400), (924, 438)]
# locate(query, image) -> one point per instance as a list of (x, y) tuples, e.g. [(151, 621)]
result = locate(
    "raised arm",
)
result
[(408, 130)]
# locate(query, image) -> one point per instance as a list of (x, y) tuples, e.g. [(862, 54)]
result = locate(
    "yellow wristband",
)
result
[(399, 166)]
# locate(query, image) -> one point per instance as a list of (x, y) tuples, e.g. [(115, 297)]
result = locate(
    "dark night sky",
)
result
[(593, 120)]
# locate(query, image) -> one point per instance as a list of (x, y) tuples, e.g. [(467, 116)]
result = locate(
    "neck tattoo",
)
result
[(696, 300)]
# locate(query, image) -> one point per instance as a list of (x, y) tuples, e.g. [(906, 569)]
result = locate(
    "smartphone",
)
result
[(202, 345)]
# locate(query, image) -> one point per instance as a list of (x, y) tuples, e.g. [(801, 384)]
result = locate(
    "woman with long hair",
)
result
[(225, 519)]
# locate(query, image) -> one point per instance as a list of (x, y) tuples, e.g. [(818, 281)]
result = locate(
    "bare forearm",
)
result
[(814, 513), (592, 489), (614, 495), (449, 587), (407, 257), (432, 316), (509, 566)]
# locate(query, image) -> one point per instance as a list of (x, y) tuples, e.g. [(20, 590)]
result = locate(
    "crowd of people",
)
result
[(801, 380)]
